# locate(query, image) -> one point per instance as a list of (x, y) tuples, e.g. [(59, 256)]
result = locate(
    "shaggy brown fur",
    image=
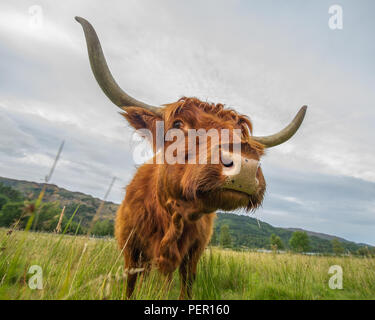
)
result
[(166, 219)]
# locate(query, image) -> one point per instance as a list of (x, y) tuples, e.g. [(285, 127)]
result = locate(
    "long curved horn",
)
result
[(103, 75), (286, 133)]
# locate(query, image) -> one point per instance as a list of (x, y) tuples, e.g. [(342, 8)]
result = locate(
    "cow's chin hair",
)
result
[(229, 200)]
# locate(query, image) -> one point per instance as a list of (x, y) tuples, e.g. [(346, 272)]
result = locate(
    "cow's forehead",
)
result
[(195, 111)]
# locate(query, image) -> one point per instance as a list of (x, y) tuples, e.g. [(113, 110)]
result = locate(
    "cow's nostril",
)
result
[(228, 164), (227, 160)]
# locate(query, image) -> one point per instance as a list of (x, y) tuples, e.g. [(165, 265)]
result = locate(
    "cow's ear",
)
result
[(140, 118)]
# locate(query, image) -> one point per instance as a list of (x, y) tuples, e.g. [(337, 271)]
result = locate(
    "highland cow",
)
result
[(167, 216)]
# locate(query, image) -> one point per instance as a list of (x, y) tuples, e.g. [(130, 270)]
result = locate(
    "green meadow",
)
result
[(78, 267)]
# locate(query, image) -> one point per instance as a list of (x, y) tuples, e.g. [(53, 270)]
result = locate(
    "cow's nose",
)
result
[(240, 172)]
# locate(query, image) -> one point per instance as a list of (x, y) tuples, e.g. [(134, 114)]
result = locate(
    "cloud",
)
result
[(336, 205), (263, 60)]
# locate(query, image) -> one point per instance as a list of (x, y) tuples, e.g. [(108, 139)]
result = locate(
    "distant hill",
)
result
[(245, 231), (70, 199), (318, 234), (248, 232)]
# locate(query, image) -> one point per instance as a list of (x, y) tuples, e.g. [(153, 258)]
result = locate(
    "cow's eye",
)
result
[(178, 124)]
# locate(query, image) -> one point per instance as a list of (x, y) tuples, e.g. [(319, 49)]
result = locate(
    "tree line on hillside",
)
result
[(299, 242), (15, 211), (248, 232)]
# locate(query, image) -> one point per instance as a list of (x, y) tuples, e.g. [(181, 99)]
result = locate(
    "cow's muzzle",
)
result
[(240, 172)]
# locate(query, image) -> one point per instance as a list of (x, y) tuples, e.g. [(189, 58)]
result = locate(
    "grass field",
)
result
[(82, 268)]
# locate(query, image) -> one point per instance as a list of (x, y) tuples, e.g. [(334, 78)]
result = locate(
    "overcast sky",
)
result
[(264, 58)]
